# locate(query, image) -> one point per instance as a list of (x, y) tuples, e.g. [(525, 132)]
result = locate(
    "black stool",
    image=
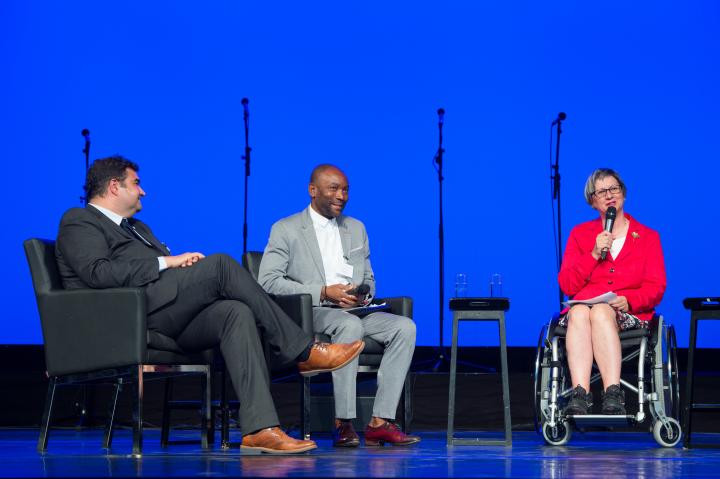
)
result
[(701, 308), (479, 309)]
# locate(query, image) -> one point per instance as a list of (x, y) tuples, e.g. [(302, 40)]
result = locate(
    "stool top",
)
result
[(479, 304), (705, 303)]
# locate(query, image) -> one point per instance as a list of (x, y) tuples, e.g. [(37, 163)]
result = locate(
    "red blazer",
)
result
[(638, 272)]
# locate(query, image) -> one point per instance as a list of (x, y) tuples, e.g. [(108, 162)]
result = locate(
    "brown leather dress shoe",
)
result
[(273, 440), (326, 357), (388, 433), (344, 434)]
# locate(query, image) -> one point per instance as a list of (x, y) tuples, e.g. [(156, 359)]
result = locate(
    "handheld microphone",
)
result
[(441, 115), (360, 290), (561, 116), (610, 215), (244, 102)]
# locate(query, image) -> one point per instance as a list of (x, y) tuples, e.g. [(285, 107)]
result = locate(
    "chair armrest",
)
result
[(401, 305), (298, 307), (93, 329)]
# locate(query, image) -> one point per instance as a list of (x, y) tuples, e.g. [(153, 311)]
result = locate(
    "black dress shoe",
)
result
[(344, 434)]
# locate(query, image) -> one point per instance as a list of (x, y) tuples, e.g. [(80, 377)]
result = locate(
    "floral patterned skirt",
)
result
[(625, 321)]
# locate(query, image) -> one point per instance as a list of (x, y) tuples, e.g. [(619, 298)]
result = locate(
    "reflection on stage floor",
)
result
[(591, 454)]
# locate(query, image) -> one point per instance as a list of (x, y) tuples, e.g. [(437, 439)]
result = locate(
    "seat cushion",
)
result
[(629, 338), (372, 360), (164, 350), (155, 356), (161, 342), (372, 347)]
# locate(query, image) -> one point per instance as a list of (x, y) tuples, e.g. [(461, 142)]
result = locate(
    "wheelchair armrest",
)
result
[(400, 305), (77, 339), (298, 307)]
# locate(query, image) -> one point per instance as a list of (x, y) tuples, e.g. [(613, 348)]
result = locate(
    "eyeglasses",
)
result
[(613, 190)]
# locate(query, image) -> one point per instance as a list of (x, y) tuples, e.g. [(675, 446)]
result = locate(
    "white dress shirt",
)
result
[(117, 219), (617, 244), (328, 237)]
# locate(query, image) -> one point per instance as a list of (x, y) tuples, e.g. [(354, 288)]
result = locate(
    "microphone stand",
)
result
[(555, 177), (441, 242), (246, 157), (440, 362), (86, 151), (440, 359), (84, 404)]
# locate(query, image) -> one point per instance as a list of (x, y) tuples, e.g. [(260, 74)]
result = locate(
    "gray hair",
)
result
[(600, 174)]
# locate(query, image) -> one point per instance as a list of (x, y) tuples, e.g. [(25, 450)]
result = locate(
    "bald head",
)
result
[(324, 168), (328, 190)]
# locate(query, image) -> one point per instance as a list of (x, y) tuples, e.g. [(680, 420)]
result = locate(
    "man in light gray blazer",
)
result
[(321, 252)]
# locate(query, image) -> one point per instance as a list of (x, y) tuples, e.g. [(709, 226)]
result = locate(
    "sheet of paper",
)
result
[(369, 307), (603, 298)]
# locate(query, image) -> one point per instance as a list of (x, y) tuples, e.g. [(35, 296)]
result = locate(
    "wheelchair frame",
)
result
[(657, 348)]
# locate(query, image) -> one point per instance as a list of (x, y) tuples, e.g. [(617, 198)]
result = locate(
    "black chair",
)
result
[(299, 308), (100, 336)]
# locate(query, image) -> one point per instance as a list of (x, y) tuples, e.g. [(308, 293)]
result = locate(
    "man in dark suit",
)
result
[(200, 302)]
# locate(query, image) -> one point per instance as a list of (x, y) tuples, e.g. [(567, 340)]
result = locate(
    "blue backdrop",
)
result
[(358, 84)]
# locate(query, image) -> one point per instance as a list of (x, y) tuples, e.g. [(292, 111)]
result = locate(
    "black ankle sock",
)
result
[(305, 355)]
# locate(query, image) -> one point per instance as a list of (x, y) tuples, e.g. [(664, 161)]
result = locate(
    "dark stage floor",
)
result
[(590, 454)]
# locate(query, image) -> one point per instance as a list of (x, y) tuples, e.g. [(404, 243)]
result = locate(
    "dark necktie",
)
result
[(125, 224)]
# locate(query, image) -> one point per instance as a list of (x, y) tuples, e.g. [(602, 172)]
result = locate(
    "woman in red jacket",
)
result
[(633, 269)]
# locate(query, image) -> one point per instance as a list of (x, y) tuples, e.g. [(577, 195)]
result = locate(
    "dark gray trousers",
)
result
[(219, 304)]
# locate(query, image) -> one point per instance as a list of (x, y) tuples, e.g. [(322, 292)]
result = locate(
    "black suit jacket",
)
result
[(94, 252)]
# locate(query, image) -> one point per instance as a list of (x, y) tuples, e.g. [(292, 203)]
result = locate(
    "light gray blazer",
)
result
[(292, 262)]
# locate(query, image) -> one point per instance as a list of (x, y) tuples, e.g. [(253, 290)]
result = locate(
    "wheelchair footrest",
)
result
[(603, 420)]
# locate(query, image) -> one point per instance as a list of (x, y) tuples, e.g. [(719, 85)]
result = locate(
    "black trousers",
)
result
[(219, 304)]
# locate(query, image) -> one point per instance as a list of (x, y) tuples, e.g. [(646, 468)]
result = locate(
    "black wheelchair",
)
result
[(655, 350)]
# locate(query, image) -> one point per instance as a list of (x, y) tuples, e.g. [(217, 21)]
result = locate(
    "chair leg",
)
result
[(165, 425), (224, 412), (689, 380), (306, 403), (110, 425), (137, 412), (205, 409), (211, 425), (47, 415), (407, 403), (82, 406), (213, 409)]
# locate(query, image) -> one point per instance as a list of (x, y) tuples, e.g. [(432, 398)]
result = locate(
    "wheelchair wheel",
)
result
[(558, 435), (670, 373), (665, 437), (539, 381)]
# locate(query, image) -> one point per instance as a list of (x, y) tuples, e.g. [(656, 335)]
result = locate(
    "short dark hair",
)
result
[(321, 169), (103, 170)]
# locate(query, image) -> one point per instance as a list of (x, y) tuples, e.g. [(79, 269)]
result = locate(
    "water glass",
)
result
[(496, 285), (461, 285)]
